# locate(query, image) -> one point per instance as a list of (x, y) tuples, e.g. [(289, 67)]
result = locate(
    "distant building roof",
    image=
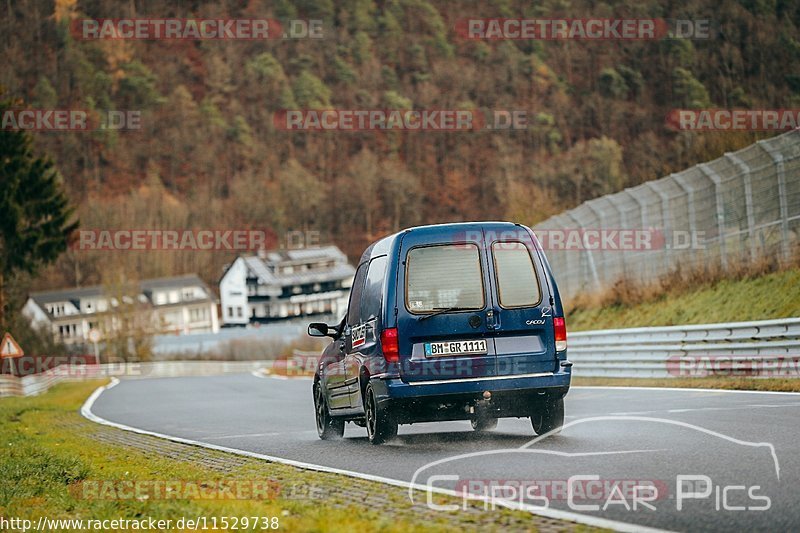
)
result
[(270, 267), (187, 280), (145, 287), (63, 295)]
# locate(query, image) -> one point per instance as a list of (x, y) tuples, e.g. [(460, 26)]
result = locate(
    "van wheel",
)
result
[(548, 416), (328, 427), (381, 425), (484, 423)]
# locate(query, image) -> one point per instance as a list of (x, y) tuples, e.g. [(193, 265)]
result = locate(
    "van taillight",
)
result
[(560, 330), (390, 345)]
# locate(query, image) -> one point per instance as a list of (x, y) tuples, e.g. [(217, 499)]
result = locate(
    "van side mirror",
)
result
[(320, 329)]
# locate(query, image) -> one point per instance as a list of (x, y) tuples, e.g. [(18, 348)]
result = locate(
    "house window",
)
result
[(68, 330), (173, 297), (198, 315), (56, 309), (188, 293), (239, 312), (230, 312)]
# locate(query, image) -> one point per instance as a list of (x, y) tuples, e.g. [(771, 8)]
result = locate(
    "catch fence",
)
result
[(737, 209)]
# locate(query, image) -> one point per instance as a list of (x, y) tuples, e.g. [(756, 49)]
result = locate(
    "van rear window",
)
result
[(517, 284), (444, 276)]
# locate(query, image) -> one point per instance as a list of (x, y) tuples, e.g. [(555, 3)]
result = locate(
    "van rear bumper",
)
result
[(453, 399)]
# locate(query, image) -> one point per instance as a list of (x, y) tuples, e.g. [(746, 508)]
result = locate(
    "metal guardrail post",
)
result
[(589, 257), (667, 227), (643, 221), (714, 177), (689, 190), (598, 214), (748, 202), (777, 159), (615, 200)]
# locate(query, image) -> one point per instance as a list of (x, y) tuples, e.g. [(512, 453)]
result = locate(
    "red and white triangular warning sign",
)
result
[(9, 347)]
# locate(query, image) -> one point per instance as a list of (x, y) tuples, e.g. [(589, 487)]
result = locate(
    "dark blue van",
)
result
[(446, 322)]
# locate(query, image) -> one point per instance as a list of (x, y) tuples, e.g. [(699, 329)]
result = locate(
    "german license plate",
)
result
[(436, 349)]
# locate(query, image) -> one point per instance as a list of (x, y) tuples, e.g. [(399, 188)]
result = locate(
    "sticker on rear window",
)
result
[(416, 304)]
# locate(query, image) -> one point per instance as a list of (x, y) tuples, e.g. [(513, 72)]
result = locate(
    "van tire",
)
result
[(328, 427), (483, 423), (381, 425), (548, 416)]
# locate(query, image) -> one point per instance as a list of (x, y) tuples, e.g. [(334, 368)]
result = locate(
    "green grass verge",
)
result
[(774, 295), (49, 450)]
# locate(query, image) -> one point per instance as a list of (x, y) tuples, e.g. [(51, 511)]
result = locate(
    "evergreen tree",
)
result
[(36, 218)]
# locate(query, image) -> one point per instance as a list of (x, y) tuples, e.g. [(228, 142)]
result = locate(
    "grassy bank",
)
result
[(51, 455), (761, 297), (728, 383)]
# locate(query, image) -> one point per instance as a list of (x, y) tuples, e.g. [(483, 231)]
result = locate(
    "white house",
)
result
[(182, 304), (285, 283)]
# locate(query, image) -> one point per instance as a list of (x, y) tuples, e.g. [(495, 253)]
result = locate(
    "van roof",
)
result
[(385, 245)]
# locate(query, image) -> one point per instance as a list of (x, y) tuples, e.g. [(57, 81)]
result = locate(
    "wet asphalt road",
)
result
[(626, 437)]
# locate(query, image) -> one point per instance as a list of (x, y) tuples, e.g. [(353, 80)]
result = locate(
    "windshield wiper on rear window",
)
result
[(442, 310)]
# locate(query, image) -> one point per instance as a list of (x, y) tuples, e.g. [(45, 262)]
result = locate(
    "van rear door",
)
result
[(442, 299), (522, 313)]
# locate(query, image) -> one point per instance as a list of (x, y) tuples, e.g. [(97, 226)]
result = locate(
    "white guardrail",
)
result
[(39, 383), (767, 348)]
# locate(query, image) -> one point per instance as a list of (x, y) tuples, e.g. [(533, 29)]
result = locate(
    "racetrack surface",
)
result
[(627, 437)]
